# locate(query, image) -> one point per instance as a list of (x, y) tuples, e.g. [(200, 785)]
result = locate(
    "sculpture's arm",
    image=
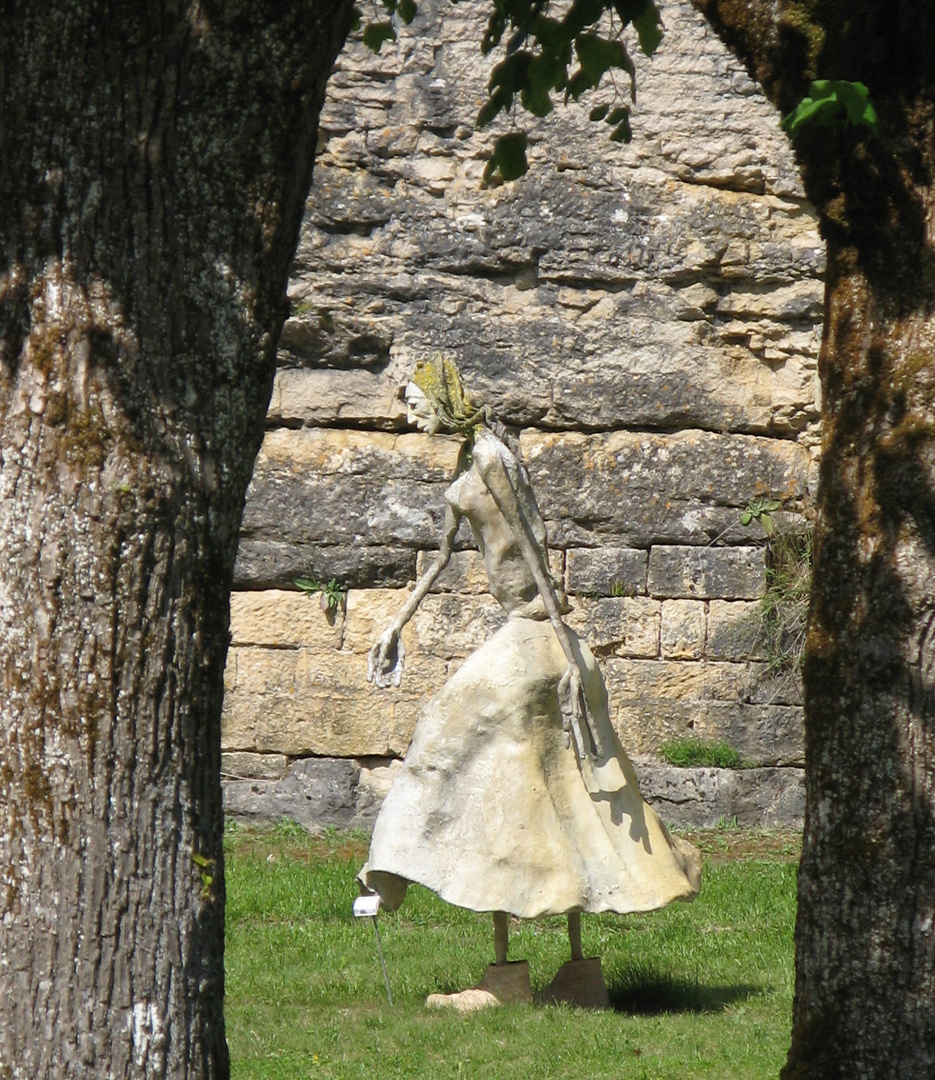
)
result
[(493, 470), (386, 659)]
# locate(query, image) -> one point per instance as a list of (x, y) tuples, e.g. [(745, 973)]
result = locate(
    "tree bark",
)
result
[(154, 164), (865, 932)]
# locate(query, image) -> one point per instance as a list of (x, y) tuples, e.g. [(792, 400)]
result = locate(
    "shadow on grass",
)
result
[(650, 993)]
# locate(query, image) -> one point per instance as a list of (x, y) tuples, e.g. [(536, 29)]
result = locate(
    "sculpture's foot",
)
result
[(578, 982), (502, 984)]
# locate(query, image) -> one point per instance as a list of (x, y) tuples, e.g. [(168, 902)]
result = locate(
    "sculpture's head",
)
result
[(437, 401), (419, 410)]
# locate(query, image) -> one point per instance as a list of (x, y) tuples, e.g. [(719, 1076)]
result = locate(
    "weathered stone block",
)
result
[(682, 629), (272, 564), (245, 766), (707, 573), (602, 570), (325, 396), (445, 625), (735, 630), (451, 626), (277, 618), (315, 792), (772, 687), (624, 626), (349, 488), (644, 488), (681, 680), (701, 798), (376, 779), (652, 701), (371, 611), (302, 701), (762, 734), (465, 572)]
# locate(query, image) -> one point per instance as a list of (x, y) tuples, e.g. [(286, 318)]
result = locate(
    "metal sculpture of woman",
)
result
[(516, 796)]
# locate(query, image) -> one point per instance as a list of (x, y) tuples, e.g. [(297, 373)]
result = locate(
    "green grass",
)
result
[(700, 990), (690, 752)]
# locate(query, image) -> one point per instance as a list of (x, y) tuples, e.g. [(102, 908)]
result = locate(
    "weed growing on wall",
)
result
[(689, 753), (784, 607)]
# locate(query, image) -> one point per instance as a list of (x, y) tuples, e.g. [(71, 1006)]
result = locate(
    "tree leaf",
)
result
[(581, 14), (596, 55), (491, 107), (622, 132), (552, 38), (494, 31), (510, 155), (856, 100), (376, 33), (648, 26), (511, 74), (407, 10), (535, 99), (547, 69), (824, 111), (618, 114), (831, 103), (599, 112), (577, 84)]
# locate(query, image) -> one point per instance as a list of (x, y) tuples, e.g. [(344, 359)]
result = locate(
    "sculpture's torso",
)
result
[(511, 582)]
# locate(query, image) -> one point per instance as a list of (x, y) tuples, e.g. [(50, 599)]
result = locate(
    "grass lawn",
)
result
[(699, 990)]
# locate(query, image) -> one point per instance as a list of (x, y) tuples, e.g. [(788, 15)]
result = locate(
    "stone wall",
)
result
[(647, 317)]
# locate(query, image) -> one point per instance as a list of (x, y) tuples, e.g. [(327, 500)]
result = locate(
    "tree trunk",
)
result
[(154, 163), (865, 933)]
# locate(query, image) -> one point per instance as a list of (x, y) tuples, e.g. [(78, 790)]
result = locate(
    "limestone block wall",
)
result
[(646, 317)]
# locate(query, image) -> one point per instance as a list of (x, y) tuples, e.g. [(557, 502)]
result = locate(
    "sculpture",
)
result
[(515, 796)]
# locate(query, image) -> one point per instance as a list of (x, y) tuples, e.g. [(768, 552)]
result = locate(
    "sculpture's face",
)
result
[(419, 411)]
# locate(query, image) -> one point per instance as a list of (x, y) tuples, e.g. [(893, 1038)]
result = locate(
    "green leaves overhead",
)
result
[(545, 40), (597, 55), (833, 103), (508, 157), (619, 119), (648, 25), (376, 33), (406, 10), (541, 41)]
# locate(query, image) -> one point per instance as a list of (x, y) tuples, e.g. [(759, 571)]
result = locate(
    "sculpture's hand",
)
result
[(386, 660), (576, 720)]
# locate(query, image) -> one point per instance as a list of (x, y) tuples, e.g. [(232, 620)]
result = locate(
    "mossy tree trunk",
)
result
[(154, 164), (865, 934)]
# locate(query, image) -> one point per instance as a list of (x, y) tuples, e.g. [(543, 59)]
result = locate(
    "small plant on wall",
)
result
[(761, 509), (333, 597), (784, 606)]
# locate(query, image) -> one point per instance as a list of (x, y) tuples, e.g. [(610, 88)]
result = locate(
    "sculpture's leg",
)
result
[(502, 982), (579, 981), (501, 936), (574, 935)]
